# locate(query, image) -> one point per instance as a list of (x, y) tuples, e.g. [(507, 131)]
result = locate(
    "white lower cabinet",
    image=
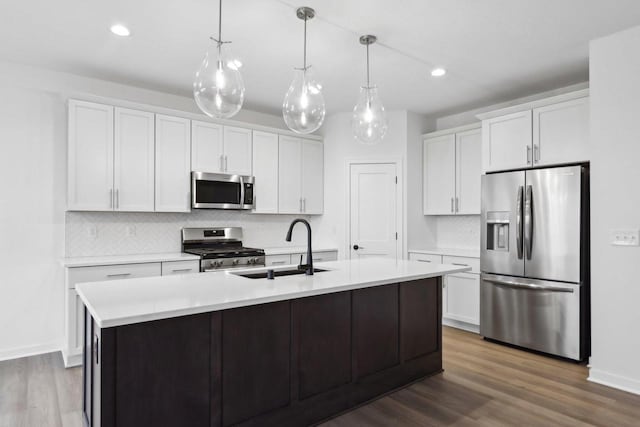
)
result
[(74, 325), (295, 258), (276, 260), (460, 291)]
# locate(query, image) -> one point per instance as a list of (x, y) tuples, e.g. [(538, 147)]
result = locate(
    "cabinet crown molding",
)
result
[(583, 93), (457, 129)]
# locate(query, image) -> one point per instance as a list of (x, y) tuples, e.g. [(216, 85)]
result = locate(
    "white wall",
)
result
[(615, 203), (33, 128)]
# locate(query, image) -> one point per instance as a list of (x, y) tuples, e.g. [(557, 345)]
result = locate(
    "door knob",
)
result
[(356, 247)]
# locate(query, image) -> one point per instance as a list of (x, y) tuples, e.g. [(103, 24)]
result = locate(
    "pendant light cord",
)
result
[(368, 83), (220, 22), (304, 67)]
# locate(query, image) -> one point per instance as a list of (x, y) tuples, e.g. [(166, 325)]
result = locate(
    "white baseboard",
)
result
[(612, 380), (17, 353), (461, 325)]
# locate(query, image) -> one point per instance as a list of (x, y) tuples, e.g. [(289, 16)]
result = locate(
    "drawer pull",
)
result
[(119, 275), (424, 260), (277, 262), (181, 270), (460, 264)]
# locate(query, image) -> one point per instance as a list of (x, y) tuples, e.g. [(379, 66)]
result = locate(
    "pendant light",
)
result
[(303, 108), (218, 87), (369, 121)]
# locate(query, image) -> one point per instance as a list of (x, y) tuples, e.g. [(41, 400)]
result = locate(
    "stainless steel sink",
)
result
[(263, 273)]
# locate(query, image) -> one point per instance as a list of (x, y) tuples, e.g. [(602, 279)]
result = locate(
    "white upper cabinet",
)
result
[(220, 149), (237, 150), (90, 157), (439, 175), (265, 170), (134, 153), (312, 177), (173, 164), (561, 132), (507, 141), (289, 175), (468, 171), (452, 172), (206, 147), (546, 132)]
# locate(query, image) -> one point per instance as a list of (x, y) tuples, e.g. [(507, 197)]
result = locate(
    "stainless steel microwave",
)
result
[(221, 191)]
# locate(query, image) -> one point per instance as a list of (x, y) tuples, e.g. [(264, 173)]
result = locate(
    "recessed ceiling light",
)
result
[(120, 30), (438, 72)]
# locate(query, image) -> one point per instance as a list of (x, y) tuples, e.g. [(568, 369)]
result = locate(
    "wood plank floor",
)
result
[(484, 384)]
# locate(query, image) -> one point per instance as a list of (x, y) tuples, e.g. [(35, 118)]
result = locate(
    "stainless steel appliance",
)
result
[(220, 248), (534, 290), (221, 191)]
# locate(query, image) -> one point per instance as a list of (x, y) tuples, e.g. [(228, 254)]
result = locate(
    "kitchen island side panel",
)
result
[(302, 354)]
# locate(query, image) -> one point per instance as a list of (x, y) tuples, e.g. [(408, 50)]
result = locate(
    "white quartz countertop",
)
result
[(470, 253), (129, 301), (296, 249), (87, 261)]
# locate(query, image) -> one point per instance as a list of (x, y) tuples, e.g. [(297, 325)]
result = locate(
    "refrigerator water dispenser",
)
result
[(498, 231)]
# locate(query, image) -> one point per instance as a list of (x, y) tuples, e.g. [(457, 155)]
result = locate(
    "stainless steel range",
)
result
[(220, 248)]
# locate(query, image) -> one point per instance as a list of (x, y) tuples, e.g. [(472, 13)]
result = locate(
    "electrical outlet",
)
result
[(92, 232), (626, 237), (130, 231)]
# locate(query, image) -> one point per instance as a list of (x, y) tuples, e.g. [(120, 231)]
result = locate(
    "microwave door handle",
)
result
[(528, 221), (519, 246), (241, 191)]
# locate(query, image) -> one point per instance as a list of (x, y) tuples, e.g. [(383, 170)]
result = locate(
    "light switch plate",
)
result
[(626, 237)]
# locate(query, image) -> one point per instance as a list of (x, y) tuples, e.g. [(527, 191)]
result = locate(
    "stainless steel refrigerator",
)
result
[(534, 288)]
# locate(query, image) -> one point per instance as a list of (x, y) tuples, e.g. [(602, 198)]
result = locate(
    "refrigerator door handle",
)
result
[(529, 286), (528, 221), (519, 246)]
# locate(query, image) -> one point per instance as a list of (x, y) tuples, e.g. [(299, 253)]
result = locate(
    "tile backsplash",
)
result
[(123, 233), (458, 231)]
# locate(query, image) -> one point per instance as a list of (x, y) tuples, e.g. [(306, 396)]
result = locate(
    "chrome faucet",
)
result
[(308, 267)]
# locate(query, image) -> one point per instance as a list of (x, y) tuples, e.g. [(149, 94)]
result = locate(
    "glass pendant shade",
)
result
[(218, 87), (369, 121), (303, 108)]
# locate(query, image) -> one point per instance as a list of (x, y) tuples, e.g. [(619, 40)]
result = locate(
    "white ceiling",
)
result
[(495, 50)]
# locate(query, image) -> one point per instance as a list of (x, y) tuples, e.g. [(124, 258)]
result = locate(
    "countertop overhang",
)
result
[(128, 301)]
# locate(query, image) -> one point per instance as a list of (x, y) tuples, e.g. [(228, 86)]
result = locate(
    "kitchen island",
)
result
[(219, 349)]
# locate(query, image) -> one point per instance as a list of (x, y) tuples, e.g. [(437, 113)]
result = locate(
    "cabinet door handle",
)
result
[(226, 163), (119, 275), (221, 163), (96, 350), (536, 153), (528, 155), (111, 198), (117, 199), (300, 204), (457, 203), (304, 204), (452, 205)]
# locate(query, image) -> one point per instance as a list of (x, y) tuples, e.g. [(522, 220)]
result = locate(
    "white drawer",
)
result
[(435, 259), (317, 256), (474, 263), (111, 272), (278, 260), (180, 267)]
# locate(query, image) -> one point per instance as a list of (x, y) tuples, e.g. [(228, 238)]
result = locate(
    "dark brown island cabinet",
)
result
[(289, 363)]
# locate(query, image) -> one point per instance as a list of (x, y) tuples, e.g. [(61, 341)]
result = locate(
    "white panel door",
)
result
[(289, 175), (312, 177), (134, 148), (90, 157), (265, 171), (468, 172), (439, 175), (173, 164), (373, 211), (561, 133), (237, 150), (462, 301), (206, 147), (507, 141)]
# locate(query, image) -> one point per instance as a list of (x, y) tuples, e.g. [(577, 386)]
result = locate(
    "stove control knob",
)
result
[(235, 262), (256, 260), (249, 261)]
